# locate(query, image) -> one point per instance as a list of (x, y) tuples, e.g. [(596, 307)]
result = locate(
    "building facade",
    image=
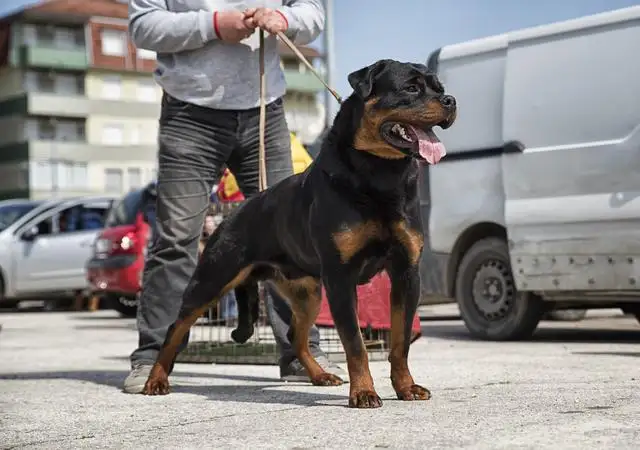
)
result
[(79, 107)]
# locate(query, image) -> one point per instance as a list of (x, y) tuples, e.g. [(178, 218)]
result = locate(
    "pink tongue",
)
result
[(429, 146)]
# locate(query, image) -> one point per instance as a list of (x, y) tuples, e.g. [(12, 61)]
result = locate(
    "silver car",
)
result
[(44, 246)]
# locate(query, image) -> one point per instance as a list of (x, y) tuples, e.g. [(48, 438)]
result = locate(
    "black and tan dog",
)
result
[(353, 213)]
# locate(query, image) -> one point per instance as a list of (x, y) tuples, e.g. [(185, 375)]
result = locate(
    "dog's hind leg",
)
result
[(248, 301), (212, 279), (304, 295)]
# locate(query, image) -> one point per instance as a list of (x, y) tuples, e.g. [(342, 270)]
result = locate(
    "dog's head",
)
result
[(402, 104)]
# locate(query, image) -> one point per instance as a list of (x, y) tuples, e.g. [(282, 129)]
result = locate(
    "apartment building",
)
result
[(79, 107)]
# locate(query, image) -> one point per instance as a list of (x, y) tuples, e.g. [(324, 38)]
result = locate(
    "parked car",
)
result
[(114, 271), (535, 208), (44, 246)]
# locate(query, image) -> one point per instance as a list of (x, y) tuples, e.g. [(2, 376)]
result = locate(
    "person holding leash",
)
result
[(208, 68)]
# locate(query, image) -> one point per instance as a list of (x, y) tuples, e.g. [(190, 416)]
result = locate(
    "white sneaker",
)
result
[(135, 381)]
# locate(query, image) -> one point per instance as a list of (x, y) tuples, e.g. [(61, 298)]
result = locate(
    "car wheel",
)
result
[(567, 315), (126, 306), (489, 303)]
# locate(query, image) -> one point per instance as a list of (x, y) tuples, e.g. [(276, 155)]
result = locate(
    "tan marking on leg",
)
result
[(158, 378), (304, 296), (400, 375), (411, 240)]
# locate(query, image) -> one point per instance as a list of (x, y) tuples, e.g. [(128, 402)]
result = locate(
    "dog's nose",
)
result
[(448, 101)]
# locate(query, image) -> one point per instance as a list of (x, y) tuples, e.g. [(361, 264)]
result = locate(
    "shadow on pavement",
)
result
[(248, 393), (458, 332)]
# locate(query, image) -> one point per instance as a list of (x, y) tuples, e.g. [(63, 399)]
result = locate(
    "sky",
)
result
[(409, 30)]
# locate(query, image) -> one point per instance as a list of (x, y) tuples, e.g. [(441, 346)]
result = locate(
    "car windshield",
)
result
[(124, 211), (9, 214)]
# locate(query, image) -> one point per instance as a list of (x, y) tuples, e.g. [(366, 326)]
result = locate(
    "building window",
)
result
[(111, 87), (55, 129), (39, 82), (136, 134), (54, 82), (65, 175), (147, 90), (113, 134), (135, 177), (114, 42), (113, 180), (69, 84), (80, 176), (69, 38), (59, 37), (142, 53), (45, 34), (41, 175)]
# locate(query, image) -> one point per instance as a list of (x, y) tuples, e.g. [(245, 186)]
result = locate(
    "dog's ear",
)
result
[(362, 80)]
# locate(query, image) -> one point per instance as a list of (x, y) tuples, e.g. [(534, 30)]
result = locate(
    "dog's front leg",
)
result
[(341, 294), (405, 295)]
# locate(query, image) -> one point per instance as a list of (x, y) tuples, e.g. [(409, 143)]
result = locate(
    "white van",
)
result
[(536, 206)]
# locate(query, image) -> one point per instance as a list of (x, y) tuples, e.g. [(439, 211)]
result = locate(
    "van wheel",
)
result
[(126, 306), (490, 306)]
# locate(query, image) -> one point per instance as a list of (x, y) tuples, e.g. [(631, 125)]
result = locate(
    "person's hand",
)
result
[(268, 19), (231, 26)]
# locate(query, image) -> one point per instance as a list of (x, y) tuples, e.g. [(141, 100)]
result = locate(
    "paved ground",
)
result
[(574, 386)]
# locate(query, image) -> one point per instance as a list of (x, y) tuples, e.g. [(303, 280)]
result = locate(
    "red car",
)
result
[(115, 269)]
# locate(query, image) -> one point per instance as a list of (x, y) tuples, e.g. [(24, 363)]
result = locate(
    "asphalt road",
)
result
[(574, 386)]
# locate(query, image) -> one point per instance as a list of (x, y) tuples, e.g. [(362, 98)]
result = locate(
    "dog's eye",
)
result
[(412, 89)]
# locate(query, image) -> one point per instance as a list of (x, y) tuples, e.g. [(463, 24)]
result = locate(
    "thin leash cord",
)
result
[(262, 164), (262, 169)]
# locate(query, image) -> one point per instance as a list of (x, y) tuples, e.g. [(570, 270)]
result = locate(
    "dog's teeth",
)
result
[(401, 131)]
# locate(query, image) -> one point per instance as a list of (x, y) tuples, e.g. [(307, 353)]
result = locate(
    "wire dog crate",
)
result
[(210, 340)]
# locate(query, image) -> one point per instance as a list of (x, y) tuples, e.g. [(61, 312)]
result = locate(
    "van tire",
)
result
[(126, 308), (498, 312)]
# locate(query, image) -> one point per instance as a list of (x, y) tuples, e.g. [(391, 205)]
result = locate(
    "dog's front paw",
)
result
[(242, 333), (157, 383), (364, 399), (327, 379), (413, 392)]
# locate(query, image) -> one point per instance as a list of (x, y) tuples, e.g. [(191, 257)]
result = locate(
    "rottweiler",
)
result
[(353, 213)]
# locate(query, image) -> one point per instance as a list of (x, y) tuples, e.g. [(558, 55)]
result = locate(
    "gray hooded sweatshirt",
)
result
[(193, 65)]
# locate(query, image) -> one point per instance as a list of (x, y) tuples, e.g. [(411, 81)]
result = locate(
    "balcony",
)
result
[(54, 58), (302, 82), (45, 104)]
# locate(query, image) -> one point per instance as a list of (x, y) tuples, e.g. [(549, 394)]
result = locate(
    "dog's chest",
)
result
[(375, 239)]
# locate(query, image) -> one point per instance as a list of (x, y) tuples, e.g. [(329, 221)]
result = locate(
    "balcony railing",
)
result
[(55, 58)]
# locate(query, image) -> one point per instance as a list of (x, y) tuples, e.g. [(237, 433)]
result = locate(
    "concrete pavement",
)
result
[(574, 386)]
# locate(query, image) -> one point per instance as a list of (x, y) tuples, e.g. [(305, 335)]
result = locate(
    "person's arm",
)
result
[(153, 27), (305, 20)]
